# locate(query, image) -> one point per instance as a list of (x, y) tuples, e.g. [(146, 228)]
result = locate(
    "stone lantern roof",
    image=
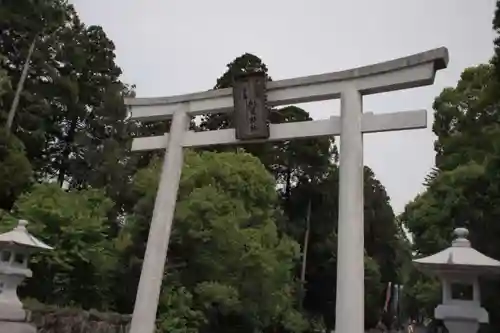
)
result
[(460, 257), (21, 237)]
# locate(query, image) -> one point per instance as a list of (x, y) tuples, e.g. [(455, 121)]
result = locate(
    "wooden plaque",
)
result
[(250, 109)]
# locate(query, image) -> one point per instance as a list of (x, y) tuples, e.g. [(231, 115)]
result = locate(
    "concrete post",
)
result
[(350, 256)]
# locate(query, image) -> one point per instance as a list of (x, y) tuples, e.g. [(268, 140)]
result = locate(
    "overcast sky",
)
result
[(175, 47)]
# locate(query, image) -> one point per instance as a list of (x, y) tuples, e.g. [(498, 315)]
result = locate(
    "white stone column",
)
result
[(148, 293), (350, 246)]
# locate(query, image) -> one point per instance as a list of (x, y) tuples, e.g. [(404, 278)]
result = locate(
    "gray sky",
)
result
[(176, 47)]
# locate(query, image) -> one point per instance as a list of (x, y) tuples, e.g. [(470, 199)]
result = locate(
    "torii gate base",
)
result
[(349, 86)]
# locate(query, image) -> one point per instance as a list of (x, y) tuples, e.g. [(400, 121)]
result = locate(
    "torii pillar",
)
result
[(350, 85)]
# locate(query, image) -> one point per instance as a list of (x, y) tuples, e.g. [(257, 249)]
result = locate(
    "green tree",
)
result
[(71, 111), (228, 225), (421, 295), (496, 27), (77, 272), (177, 313), (466, 196), (464, 189), (84, 79), (4, 80), (71, 115), (383, 243), (307, 159), (382, 237), (21, 23), (373, 289), (225, 248), (15, 169), (246, 63), (306, 174), (465, 118)]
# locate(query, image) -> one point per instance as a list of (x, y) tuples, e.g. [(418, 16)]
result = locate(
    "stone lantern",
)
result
[(459, 267), (15, 248)]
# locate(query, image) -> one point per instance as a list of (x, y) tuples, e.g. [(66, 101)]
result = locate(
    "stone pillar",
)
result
[(350, 257)]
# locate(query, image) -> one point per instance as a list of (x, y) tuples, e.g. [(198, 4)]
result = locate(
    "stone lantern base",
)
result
[(461, 326), (14, 319), (16, 327), (461, 319)]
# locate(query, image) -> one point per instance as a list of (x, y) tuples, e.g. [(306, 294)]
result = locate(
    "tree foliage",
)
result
[(496, 27), (306, 173), (4, 80), (464, 188), (74, 223), (225, 249), (466, 117), (382, 244), (465, 196), (15, 169), (239, 230), (289, 160), (71, 114)]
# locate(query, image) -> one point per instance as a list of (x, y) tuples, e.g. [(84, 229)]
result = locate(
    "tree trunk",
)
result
[(65, 154), (288, 181), (20, 85), (306, 245)]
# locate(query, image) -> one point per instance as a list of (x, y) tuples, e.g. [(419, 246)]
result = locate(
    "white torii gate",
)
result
[(349, 86)]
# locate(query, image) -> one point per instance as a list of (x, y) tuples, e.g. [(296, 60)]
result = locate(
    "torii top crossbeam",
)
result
[(407, 74)]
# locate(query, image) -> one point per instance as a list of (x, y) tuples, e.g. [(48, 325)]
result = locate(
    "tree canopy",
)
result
[(238, 246), (225, 248), (463, 190)]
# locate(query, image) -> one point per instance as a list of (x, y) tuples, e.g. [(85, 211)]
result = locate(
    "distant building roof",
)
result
[(20, 236)]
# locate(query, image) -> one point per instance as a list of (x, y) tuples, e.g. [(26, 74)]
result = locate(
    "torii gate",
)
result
[(350, 85)]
